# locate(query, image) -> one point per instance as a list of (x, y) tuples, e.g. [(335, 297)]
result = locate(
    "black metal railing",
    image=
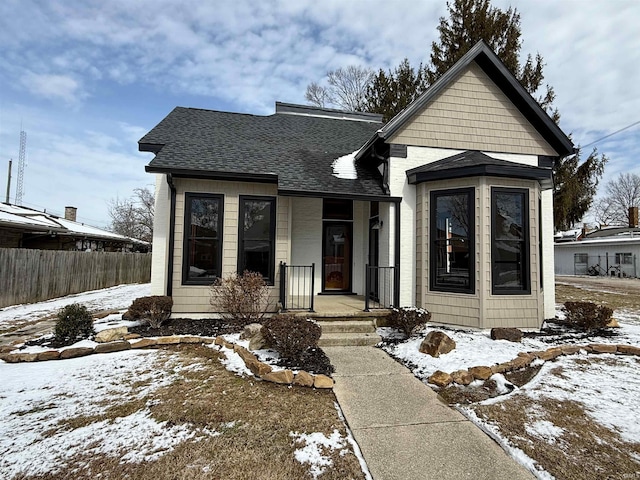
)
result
[(381, 284), (296, 286)]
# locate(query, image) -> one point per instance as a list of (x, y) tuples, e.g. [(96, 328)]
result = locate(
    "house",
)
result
[(448, 206), (22, 227), (608, 251)]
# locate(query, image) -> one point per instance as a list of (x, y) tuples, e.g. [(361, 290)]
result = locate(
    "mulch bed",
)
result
[(206, 327)]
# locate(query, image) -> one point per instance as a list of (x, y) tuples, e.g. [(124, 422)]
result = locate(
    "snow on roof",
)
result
[(17, 216), (344, 167), (601, 240)]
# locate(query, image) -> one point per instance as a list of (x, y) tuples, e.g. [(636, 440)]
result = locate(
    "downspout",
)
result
[(396, 291), (172, 229)]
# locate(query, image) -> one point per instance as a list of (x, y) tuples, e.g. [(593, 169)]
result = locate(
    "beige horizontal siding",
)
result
[(472, 113), (194, 299)]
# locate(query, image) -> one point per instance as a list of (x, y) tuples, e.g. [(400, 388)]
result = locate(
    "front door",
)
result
[(336, 256)]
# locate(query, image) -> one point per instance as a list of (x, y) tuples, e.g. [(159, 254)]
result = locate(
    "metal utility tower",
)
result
[(20, 184)]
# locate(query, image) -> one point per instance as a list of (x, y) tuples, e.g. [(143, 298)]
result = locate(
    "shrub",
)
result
[(155, 309), (408, 319), (587, 315), (291, 336), (241, 299), (74, 323)]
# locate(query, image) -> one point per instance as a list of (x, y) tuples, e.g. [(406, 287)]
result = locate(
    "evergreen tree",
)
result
[(391, 92)]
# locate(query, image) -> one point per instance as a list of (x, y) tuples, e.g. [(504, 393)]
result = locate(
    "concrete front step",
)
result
[(347, 326), (348, 339)]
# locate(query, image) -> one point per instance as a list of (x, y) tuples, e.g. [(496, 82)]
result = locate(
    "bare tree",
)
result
[(133, 216), (622, 193), (346, 89), (602, 212)]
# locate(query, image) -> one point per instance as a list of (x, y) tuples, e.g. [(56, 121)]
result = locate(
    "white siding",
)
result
[(306, 234), (160, 250)]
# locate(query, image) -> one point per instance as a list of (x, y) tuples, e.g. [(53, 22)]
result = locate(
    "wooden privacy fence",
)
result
[(28, 276)]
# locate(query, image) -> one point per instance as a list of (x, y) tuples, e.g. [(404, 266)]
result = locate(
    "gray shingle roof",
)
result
[(298, 149)]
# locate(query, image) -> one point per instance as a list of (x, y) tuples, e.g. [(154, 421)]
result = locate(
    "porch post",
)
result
[(396, 280)]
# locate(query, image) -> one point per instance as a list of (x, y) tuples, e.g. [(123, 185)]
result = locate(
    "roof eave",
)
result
[(214, 175)]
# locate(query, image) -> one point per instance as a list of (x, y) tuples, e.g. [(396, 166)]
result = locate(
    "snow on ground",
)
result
[(314, 445), (113, 298), (607, 386), (45, 394)]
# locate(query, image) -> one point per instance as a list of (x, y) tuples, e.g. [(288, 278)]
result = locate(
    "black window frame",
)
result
[(433, 240), (188, 199), (270, 279), (526, 241), (624, 256)]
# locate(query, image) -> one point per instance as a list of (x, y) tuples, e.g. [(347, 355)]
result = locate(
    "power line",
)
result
[(612, 134)]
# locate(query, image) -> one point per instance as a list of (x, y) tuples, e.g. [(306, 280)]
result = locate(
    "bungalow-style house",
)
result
[(22, 227), (448, 206)]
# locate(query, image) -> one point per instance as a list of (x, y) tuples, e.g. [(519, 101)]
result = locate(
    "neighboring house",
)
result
[(609, 251), (22, 227), (450, 203)]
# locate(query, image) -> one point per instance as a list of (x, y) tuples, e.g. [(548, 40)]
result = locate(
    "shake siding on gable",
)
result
[(472, 113), (195, 298)]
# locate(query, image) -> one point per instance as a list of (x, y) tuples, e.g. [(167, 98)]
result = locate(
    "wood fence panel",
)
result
[(28, 276)]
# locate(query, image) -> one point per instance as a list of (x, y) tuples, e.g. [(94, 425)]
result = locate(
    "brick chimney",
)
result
[(633, 217), (70, 213)]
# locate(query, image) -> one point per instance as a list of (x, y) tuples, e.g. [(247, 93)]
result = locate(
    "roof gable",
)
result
[(496, 88)]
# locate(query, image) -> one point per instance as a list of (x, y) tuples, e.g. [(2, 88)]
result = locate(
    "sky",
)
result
[(87, 79)]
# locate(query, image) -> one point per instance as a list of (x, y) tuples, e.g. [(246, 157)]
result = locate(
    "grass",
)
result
[(584, 450), (622, 300), (253, 420)]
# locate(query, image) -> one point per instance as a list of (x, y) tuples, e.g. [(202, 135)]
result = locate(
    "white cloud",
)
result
[(53, 87)]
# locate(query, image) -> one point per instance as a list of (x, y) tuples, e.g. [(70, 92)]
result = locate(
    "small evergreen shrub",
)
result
[(155, 309), (587, 315), (408, 319), (291, 336), (241, 299), (74, 323)]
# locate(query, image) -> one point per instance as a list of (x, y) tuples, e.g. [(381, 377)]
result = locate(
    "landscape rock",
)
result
[(521, 362), (322, 381), (24, 357), (7, 357), (510, 334), (628, 349), (7, 349), (104, 313), (207, 340), (603, 348), (75, 352), (480, 372), (111, 334), (462, 377), (112, 347), (257, 342), (145, 342), (437, 343), (440, 378), (190, 339), (170, 340), (613, 323), (502, 367), (279, 376), (219, 341), (303, 379), (245, 354), (250, 330), (570, 349), (258, 368), (132, 336), (48, 355), (550, 353)]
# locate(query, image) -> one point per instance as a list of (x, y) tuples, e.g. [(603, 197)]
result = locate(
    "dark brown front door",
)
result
[(336, 257)]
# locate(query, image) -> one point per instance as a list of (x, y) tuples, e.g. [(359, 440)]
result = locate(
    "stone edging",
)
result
[(259, 369), (524, 359)]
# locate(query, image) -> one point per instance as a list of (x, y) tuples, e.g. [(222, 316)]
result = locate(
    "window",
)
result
[(452, 241), (580, 258), (510, 241), (202, 254), (624, 258), (337, 209), (256, 234)]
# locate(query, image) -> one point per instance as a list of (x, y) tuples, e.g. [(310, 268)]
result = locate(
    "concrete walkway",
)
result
[(404, 431)]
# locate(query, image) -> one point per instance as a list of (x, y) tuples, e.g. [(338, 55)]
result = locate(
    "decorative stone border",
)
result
[(266, 372), (524, 359), (133, 341)]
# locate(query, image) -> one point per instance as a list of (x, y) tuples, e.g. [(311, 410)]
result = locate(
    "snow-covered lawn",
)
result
[(603, 389), (114, 298)]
